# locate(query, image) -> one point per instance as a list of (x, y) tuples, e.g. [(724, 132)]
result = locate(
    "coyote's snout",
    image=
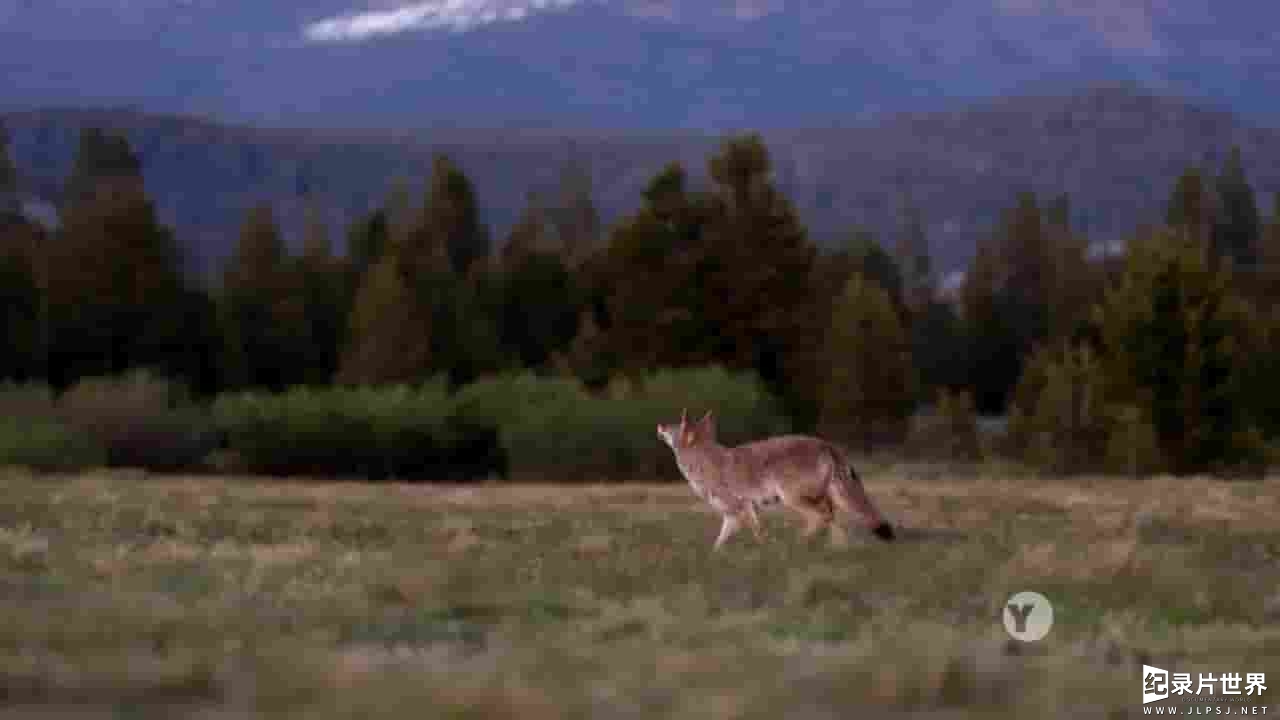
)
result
[(807, 474)]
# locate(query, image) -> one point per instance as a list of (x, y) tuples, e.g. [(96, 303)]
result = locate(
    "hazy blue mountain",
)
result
[(657, 64), (1116, 151)]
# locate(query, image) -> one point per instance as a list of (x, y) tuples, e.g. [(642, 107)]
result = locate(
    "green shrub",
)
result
[(377, 432), (516, 425), (554, 429), (136, 392), (44, 443), (544, 423), (140, 420), (1133, 447), (949, 432), (745, 410), (1060, 421), (26, 400)]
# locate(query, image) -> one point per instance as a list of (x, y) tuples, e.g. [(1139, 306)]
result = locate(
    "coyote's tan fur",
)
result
[(807, 474)]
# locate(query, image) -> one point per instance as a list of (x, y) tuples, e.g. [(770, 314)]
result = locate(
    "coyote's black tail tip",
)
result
[(884, 531)]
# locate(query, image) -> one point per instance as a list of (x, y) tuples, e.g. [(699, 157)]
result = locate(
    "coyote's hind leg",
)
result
[(817, 513), (753, 516)]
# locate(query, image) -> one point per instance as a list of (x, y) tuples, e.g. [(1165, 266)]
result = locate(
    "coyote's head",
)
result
[(686, 435)]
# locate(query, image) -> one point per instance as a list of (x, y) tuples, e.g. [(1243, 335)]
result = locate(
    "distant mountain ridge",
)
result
[(1115, 150), (710, 65)]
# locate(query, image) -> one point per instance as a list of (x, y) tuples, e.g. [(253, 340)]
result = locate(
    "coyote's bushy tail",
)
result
[(848, 494)]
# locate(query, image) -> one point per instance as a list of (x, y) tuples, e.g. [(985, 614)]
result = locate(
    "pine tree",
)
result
[(652, 270), (21, 295), (401, 213), (937, 342), (993, 357), (1267, 293), (115, 274), (644, 321), (389, 340), (326, 301), (261, 309), (467, 343), (200, 359), (1263, 373), (367, 239), (862, 253), (868, 257), (531, 233), (1028, 262), (868, 389), (437, 262), (487, 306), (914, 259), (103, 158), (10, 203), (1074, 283), (576, 220), (1188, 211), (1237, 227), (260, 253), (449, 222), (538, 301), (1058, 213), (423, 252), (21, 301), (758, 282), (1175, 337), (1008, 300), (587, 357)]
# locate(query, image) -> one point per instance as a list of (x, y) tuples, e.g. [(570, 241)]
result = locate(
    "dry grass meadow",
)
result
[(127, 595)]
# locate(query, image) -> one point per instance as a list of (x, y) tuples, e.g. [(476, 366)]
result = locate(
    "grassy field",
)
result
[(128, 595)]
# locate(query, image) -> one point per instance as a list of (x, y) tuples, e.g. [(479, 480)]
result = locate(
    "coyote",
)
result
[(805, 473)]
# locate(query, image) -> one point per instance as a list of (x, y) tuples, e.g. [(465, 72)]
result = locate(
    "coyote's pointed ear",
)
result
[(687, 431)]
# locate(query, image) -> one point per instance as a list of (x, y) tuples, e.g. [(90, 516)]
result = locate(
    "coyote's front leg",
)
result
[(727, 528)]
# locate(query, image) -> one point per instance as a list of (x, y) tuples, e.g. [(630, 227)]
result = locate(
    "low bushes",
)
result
[(949, 432), (31, 435), (140, 420), (554, 429), (26, 400), (136, 420), (518, 426), (402, 432), (44, 443)]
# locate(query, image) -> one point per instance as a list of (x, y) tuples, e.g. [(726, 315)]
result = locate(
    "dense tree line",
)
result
[(1175, 340)]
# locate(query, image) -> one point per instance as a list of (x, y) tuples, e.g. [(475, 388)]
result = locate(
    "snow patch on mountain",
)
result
[(454, 15)]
